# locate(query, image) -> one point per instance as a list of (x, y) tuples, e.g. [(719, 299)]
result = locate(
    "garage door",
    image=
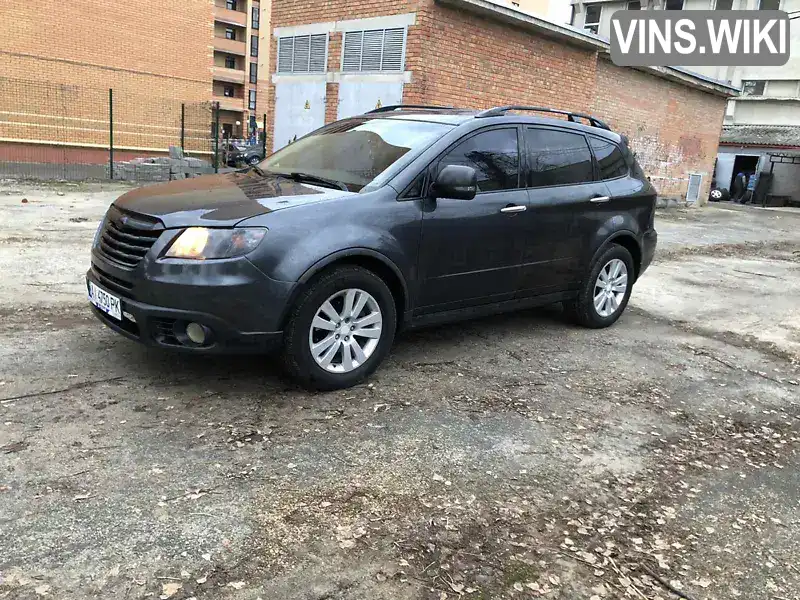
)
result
[(299, 109), (358, 97)]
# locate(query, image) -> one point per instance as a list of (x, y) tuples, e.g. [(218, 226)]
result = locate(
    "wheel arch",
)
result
[(366, 258), (627, 240)]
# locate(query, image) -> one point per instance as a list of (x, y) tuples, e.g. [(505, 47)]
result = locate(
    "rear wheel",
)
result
[(605, 292), (340, 330)]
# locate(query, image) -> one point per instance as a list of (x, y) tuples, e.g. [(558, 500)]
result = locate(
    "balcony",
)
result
[(229, 75), (233, 17), (230, 46), (227, 103)]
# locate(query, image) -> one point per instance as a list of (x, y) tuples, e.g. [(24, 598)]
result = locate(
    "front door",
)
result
[(299, 109), (560, 189), (470, 250)]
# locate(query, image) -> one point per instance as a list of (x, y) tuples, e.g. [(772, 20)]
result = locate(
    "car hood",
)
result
[(221, 200)]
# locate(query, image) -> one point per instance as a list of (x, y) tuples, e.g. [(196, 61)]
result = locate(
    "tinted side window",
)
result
[(610, 160), (557, 158), (493, 154)]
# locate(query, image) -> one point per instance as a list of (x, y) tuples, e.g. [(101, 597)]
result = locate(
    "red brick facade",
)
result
[(463, 59)]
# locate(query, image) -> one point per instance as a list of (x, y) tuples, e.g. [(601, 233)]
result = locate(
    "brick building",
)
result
[(331, 61)]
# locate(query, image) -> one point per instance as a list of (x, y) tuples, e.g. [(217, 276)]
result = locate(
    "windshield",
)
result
[(355, 151)]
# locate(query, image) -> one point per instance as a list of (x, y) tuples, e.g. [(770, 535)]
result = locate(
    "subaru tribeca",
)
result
[(402, 217)]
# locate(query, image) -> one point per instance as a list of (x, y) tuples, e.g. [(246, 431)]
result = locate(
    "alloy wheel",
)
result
[(345, 330), (610, 287)]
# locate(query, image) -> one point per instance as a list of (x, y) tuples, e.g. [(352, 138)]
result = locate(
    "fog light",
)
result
[(196, 333)]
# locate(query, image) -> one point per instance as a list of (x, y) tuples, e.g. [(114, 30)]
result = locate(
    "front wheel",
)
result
[(340, 330), (605, 292)]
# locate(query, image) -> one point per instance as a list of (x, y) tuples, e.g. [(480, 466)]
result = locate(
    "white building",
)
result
[(762, 126)]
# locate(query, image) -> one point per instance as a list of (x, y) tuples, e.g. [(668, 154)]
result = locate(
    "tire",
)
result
[(331, 286), (253, 160), (719, 195), (582, 309)]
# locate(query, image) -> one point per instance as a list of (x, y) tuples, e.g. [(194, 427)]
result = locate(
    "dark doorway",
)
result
[(748, 166)]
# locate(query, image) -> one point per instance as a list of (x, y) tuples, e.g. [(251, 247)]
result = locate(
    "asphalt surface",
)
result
[(510, 457)]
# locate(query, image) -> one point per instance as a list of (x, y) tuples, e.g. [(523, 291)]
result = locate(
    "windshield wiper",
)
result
[(317, 179)]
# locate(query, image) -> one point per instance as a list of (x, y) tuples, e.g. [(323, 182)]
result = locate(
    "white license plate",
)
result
[(104, 301)]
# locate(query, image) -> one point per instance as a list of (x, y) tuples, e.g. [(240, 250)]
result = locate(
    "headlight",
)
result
[(202, 243)]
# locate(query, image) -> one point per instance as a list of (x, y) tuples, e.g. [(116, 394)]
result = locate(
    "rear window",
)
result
[(354, 151), (557, 158), (610, 160)]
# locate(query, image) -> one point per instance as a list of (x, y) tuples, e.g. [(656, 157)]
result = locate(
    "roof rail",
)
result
[(391, 107), (571, 116)]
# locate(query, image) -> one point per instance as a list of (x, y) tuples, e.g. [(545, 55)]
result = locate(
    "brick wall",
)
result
[(148, 46), (674, 130), (462, 59)]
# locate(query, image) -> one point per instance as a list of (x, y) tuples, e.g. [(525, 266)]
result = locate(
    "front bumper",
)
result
[(649, 243), (241, 308)]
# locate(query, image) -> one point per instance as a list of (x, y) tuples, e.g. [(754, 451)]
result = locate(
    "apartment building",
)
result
[(761, 130), (235, 71)]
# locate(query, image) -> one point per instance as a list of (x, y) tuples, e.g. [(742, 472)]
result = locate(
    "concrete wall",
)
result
[(767, 112)]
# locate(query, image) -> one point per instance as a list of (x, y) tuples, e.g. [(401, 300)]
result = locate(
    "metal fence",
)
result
[(66, 132)]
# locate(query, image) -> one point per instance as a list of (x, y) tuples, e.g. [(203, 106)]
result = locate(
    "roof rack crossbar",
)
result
[(571, 116), (391, 107)]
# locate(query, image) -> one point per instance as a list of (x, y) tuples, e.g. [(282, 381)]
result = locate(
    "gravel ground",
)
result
[(510, 457)]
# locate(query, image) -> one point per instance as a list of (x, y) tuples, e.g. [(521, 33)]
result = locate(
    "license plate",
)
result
[(104, 301)]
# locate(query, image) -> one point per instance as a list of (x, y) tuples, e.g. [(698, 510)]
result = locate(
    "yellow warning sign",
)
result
[(308, 105), (378, 105)]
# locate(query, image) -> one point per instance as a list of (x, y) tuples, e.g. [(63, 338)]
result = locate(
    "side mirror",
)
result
[(458, 182)]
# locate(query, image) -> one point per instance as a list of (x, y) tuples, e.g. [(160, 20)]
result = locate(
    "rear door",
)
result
[(470, 250), (561, 189)]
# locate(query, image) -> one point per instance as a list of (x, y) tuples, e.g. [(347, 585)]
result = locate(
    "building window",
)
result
[(724, 5), (227, 91), (635, 5), (592, 20), (253, 72), (303, 54), (674, 5), (753, 87), (230, 4), (253, 45), (252, 103), (769, 5), (374, 50), (230, 62), (230, 33), (254, 20)]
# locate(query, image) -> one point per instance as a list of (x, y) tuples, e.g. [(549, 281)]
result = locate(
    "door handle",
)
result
[(514, 208), (600, 199)]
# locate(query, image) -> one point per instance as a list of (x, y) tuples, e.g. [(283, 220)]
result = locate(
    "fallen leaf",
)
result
[(42, 590), (518, 586), (347, 544), (554, 579), (457, 587), (676, 584), (702, 582), (202, 579), (170, 589), (81, 497), (710, 530), (237, 585)]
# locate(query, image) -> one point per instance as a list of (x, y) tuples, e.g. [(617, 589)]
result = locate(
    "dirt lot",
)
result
[(512, 457)]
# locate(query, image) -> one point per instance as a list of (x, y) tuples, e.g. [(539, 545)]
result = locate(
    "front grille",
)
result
[(114, 284), (126, 238), (164, 331)]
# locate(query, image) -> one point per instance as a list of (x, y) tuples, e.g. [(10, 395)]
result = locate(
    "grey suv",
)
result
[(403, 217)]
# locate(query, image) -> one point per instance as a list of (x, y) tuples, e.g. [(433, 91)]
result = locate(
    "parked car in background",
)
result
[(399, 218), (241, 154)]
